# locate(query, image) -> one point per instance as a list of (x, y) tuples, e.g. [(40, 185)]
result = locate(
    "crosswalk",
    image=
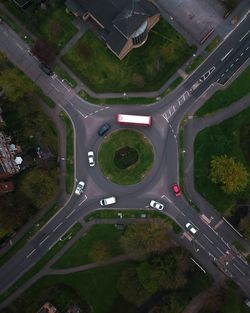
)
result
[(173, 108)]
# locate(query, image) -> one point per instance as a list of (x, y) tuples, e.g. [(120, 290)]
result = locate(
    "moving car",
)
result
[(176, 189), (47, 70), (191, 228), (108, 201), (79, 188), (103, 129), (156, 205), (91, 158)]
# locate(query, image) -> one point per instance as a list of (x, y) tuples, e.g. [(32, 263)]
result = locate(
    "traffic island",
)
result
[(126, 157)]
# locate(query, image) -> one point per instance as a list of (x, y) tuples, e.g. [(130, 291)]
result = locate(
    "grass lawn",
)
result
[(213, 44), (195, 63), (78, 254), (97, 287), (144, 69), (52, 24), (231, 137), (65, 76), (114, 144), (69, 152), (223, 98)]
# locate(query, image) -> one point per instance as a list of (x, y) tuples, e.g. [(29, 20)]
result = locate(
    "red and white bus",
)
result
[(138, 120)]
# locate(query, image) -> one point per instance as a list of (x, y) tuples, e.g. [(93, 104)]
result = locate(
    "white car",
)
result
[(79, 188), (108, 201), (156, 205), (191, 228), (91, 158)]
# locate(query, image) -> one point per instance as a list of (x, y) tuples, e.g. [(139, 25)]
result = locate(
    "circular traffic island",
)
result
[(126, 157)]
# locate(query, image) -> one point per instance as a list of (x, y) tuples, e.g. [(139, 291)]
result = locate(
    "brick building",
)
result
[(121, 24)]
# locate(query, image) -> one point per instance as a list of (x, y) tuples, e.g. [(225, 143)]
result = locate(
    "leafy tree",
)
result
[(99, 252), (44, 52), (146, 238), (228, 172), (130, 287), (38, 186), (245, 226), (15, 84)]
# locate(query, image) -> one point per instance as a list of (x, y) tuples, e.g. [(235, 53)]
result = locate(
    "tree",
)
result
[(130, 287), (228, 172), (44, 52), (15, 84), (99, 252), (146, 238), (245, 226), (38, 186)]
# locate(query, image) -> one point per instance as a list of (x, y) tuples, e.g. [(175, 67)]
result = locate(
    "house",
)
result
[(121, 24), (47, 308)]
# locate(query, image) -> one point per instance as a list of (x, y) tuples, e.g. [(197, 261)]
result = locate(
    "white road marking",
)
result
[(222, 75), (68, 89), (227, 70), (210, 254), (239, 269), (70, 213), (164, 196), (220, 250), (241, 54), (237, 60), (85, 198), (198, 266), (208, 238), (43, 240), (244, 35), (84, 116), (247, 48), (231, 65), (226, 55), (30, 253), (57, 227), (96, 111)]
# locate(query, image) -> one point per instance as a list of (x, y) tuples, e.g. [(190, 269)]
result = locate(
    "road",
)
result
[(213, 248)]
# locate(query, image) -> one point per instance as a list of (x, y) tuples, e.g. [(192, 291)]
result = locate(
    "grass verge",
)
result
[(107, 214), (65, 76), (69, 152), (41, 263), (195, 63), (50, 103), (213, 44), (223, 98)]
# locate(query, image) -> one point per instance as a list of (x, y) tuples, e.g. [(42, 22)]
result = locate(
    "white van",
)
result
[(108, 201)]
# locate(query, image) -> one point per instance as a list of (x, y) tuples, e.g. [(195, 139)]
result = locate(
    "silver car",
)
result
[(156, 205), (79, 188), (191, 228)]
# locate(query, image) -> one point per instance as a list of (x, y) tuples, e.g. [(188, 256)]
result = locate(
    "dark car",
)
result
[(47, 70), (103, 129)]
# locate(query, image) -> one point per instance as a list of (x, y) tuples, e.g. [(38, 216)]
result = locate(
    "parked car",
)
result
[(176, 189), (79, 188), (156, 205), (46, 69), (91, 158), (103, 129), (191, 228), (108, 201)]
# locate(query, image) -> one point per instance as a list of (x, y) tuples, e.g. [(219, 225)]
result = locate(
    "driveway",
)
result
[(197, 17)]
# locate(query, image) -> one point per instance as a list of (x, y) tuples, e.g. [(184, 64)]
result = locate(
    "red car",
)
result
[(176, 190)]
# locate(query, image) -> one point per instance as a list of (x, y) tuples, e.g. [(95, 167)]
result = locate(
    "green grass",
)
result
[(40, 264), (65, 76), (125, 100), (107, 214), (78, 254), (239, 246), (96, 286), (213, 44), (144, 69), (50, 103), (134, 173), (69, 152), (53, 24), (195, 63), (8, 20), (223, 98), (231, 137), (172, 86)]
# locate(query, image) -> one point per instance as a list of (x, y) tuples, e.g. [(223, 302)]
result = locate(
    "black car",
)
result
[(103, 129), (47, 70)]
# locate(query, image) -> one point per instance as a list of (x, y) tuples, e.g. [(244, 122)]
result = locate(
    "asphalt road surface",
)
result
[(209, 245)]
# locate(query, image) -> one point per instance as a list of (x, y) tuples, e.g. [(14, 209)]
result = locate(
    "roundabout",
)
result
[(125, 157)]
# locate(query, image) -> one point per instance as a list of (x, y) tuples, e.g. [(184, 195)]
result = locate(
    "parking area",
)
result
[(197, 17)]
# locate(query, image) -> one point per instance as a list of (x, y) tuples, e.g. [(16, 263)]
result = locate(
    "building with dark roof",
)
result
[(122, 24)]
